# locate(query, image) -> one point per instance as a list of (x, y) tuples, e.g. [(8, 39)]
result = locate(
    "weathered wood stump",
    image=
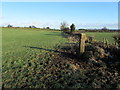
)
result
[(82, 43)]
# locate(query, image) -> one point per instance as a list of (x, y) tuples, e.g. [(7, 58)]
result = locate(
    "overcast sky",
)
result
[(51, 14)]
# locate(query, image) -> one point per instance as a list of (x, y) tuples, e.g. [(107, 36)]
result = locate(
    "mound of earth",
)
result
[(64, 70)]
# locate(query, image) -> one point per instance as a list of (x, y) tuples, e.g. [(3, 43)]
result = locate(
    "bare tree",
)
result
[(63, 26)]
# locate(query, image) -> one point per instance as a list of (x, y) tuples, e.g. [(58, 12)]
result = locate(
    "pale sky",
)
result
[(51, 14)]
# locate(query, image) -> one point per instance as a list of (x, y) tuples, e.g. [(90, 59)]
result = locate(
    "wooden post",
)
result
[(82, 43)]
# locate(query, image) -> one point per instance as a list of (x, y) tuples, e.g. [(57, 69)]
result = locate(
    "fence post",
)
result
[(82, 43)]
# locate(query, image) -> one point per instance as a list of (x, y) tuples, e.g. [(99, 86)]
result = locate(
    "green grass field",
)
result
[(25, 49), (101, 35)]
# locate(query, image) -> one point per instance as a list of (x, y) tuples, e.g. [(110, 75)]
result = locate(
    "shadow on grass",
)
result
[(58, 34), (42, 49), (53, 34), (63, 53)]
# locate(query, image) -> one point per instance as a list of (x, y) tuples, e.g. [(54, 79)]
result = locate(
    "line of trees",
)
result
[(65, 28), (32, 26)]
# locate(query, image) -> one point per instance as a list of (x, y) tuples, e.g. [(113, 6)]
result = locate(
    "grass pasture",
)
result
[(24, 51), (99, 36)]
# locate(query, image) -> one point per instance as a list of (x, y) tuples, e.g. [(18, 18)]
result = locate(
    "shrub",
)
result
[(105, 29), (117, 39), (9, 25), (114, 51), (66, 29), (90, 39), (32, 27), (72, 28), (47, 27)]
